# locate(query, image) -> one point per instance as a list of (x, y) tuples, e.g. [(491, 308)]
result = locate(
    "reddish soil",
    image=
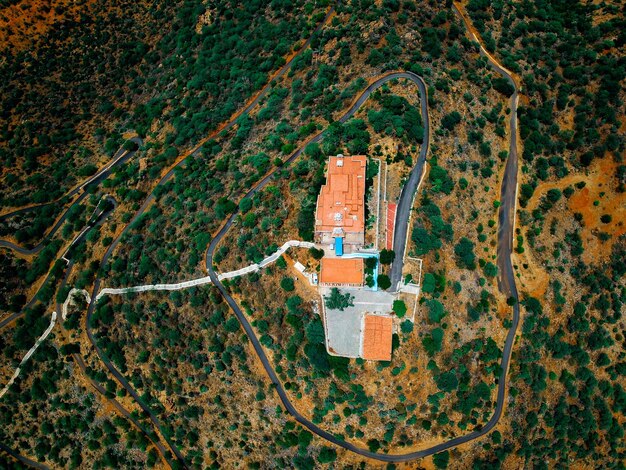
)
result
[(23, 23), (391, 219), (596, 199)]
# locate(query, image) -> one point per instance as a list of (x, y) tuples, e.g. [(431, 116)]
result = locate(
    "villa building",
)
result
[(340, 212)]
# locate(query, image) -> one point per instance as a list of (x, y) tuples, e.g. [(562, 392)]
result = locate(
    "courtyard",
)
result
[(345, 329)]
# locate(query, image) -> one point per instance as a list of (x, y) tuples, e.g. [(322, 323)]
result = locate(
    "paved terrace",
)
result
[(344, 329)]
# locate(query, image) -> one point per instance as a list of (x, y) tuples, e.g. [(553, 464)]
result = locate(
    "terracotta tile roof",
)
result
[(342, 271), (377, 338), (342, 198)]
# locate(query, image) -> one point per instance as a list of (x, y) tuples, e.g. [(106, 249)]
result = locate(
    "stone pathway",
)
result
[(207, 280), (30, 352)]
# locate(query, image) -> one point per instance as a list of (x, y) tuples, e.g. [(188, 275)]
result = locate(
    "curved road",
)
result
[(121, 157), (21, 458), (122, 380), (506, 277), (99, 388), (407, 195), (255, 341), (195, 151), (97, 218), (232, 121)]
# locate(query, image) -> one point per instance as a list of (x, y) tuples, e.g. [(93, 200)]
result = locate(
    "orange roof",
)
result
[(342, 271), (342, 198), (377, 338)]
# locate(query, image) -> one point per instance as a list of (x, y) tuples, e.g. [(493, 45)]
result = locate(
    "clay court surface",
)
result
[(377, 338), (342, 271), (391, 220)]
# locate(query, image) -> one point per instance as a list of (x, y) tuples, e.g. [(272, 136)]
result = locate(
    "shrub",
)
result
[(399, 308), (464, 251), (387, 256), (287, 284), (316, 253), (383, 281), (338, 301)]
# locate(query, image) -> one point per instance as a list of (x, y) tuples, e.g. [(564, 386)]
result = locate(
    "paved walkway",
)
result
[(206, 279), (83, 292), (155, 287), (30, 352)]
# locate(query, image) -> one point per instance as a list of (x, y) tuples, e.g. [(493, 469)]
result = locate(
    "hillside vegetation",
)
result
[(170, 379)]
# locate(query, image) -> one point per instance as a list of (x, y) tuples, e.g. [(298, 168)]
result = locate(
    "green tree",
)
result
[(406, 326), (387, 256), (441, 459), (490, 269), (245, 205), (315, 331), (232, 325), (449, 121), (327, 455), (447, 381), (399, 308), (287, 284), (435, 311), (424, 241), (373, 445), (130, 145), (338, 301), (429, 283), (502, 85), (370, 263), (553, 195), (383, 281), (432, 342), (316, 253), (464, 251)]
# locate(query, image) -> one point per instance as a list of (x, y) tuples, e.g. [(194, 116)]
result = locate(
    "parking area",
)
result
[(344, 329)]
